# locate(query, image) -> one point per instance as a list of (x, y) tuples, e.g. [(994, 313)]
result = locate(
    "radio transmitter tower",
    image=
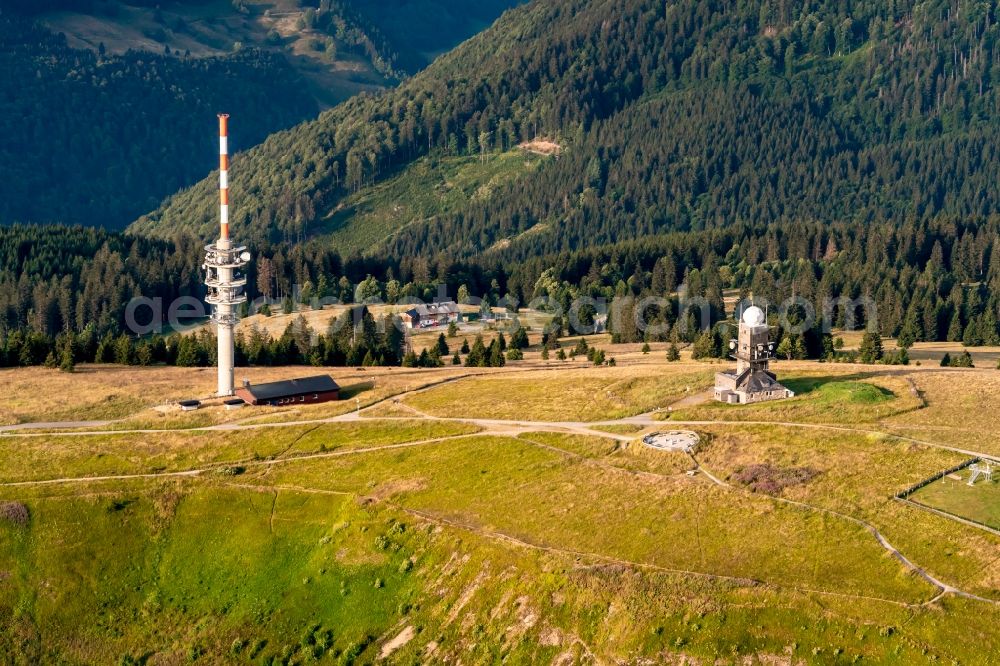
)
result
[(224, 275)]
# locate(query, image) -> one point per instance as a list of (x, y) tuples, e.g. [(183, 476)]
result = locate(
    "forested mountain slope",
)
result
[(421, 30), (340, 46), (97, 139), (679, 115), (106, 104)]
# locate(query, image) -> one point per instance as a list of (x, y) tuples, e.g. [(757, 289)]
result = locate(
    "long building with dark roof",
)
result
[(305, 390)]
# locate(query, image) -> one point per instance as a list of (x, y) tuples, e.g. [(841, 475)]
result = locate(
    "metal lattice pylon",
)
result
[(983, 471)]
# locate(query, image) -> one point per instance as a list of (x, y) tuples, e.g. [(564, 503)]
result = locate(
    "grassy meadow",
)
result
[(563, 394), (429, 187), (507, 515), (820, 397), (979, 502)]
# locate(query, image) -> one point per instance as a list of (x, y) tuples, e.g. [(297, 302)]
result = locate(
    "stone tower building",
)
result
[(752, 381)]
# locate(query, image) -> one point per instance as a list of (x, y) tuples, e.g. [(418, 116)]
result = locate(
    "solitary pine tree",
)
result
[(442, 345), (477, 357), (870, 350), (495, 358)]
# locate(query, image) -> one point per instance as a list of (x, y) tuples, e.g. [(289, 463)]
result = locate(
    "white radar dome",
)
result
[(753, 316)]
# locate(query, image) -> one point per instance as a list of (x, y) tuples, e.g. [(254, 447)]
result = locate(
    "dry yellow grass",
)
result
[(856, 472), (569, 394), (930, 353), (858, 476), (955, 398), (960, 409), (147, 395), (49, 456), (927, 353), (319, 320)]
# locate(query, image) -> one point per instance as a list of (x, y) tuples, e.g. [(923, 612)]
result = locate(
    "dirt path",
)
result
[(214, 467), (506, 427), (942, 587), (54, 425)]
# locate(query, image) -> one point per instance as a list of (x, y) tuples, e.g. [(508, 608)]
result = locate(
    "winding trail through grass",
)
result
[(512, 428)]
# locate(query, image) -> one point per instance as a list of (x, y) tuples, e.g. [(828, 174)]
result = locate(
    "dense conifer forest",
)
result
[(929, 280), (811, 149), (672, 116), (98, 139)]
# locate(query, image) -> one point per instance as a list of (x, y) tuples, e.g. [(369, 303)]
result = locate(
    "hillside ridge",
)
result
[(673, 117)]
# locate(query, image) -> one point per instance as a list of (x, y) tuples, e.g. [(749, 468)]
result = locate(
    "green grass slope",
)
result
[(428, 187), (411, 536), (482, 549)]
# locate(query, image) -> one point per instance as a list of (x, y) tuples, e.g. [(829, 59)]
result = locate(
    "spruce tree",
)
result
[(66, 362), (442, 345), (495, 358), (828, 351), (703, 346), (476, 357), (955, 330), (519, 338), (870, 350)]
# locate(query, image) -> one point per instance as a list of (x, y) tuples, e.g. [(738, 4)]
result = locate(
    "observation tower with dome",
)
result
[(752, 381)]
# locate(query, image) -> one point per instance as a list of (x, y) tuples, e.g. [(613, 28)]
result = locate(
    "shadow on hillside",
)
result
[(353, 390)]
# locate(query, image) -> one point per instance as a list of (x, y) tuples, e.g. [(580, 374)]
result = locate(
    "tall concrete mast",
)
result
[(224, 275)]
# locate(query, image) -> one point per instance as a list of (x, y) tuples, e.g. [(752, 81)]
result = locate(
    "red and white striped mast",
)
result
[(224, 274)]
